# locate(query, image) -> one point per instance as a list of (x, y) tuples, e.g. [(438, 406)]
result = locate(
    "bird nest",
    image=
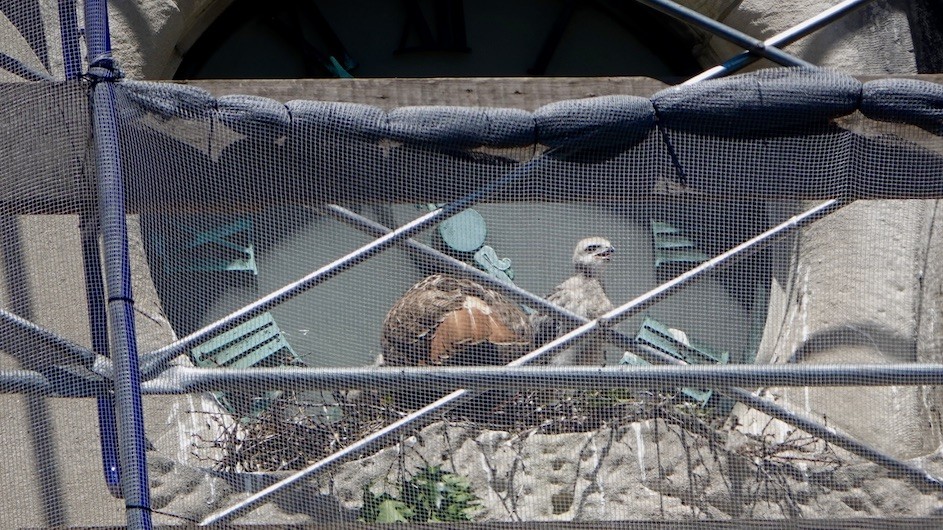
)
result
[(298, 429)]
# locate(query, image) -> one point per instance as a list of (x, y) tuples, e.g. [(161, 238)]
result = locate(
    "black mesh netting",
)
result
[(302, 289)]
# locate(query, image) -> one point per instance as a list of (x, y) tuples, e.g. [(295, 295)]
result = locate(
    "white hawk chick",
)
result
[(582, 294)]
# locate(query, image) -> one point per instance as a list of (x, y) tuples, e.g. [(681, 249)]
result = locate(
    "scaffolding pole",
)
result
[(117, 270), (15, 329), (188, 380), (741, 60), (753, 45), (91, 262)]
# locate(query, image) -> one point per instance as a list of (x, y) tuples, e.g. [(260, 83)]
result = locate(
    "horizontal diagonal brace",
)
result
[(16, 331), (184, 379), (25, 382)]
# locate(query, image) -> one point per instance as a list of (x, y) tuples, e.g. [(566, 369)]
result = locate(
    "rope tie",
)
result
[(103, 68)]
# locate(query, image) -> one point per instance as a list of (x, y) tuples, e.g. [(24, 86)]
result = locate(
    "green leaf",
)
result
[(430, 495), (393, 511)]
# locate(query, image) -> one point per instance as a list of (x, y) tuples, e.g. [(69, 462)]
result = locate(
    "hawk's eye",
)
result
[(592, 248)]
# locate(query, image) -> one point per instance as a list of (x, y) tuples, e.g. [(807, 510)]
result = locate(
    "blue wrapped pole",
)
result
[(91, 252), (69, 33), (98, 325), (120, 311)]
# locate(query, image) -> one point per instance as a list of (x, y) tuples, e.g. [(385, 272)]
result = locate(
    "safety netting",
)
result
[(712, 302)]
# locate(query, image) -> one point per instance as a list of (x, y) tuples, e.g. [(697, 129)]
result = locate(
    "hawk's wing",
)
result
[(446, 320), (580, 295)]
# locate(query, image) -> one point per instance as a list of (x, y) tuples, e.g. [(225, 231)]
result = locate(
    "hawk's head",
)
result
[(591, 254)]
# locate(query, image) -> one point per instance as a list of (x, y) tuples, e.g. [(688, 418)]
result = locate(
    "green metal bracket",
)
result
[(672, 247), (673, 342), (255, 343), (464, 233), (488, 261), (224, 248)]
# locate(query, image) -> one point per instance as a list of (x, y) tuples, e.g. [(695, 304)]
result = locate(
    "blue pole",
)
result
[(98, 324), (91, 252), (120, 300), (69, 31)]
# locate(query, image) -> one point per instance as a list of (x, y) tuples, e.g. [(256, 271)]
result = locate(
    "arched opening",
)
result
[(412, 38), (426, 39)]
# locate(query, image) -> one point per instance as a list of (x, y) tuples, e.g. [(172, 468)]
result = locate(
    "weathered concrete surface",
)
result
[(854, 287), (856, 283), (648, 470), (872, 40)]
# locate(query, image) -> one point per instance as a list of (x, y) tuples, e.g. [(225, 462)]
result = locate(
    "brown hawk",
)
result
[(443, 320)]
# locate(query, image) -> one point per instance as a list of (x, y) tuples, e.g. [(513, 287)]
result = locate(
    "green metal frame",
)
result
[(658, 336)]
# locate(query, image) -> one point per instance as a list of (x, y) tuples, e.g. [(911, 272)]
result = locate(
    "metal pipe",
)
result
[(16, 331), (92, 266), (818, 21), (120, 311), (725, 32), (69, 32), (25, 382), (98, 327), (96, 30), (741, 60), (155, 362), (127, 383), (15, 66), (186, 379)]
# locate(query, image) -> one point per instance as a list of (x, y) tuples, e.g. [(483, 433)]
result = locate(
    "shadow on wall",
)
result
[(892, 418), (19, 300), (884, 345)]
